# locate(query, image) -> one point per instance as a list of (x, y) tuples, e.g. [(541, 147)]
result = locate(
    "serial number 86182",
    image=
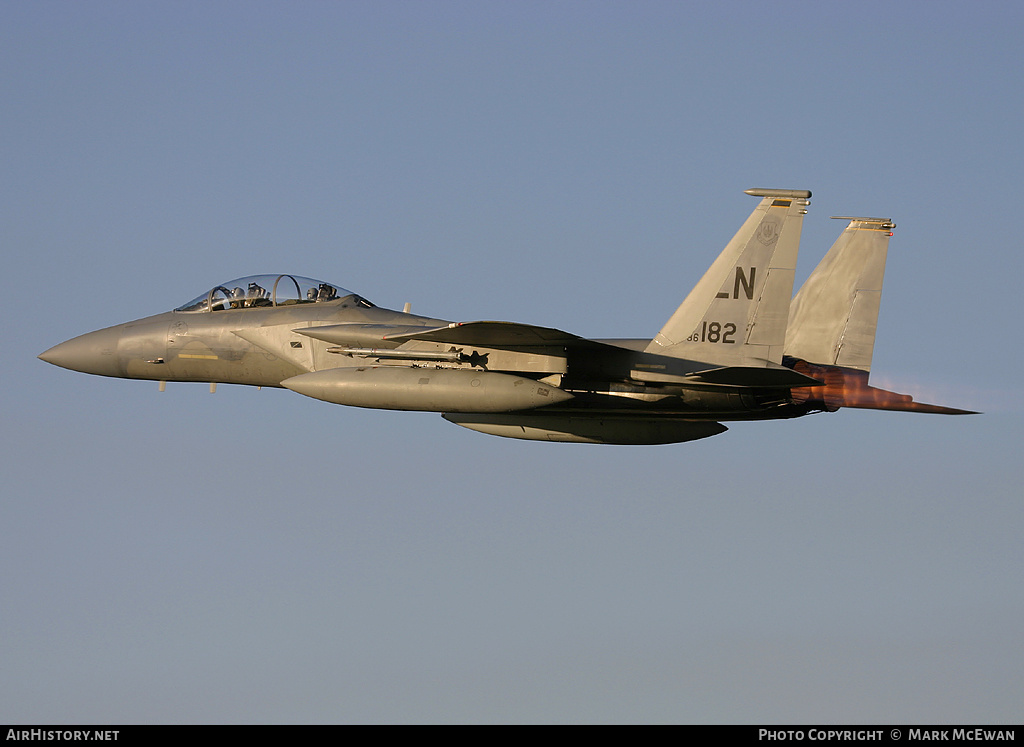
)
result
[(714, 332)]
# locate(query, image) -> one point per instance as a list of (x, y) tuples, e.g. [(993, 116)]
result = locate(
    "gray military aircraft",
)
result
[(737, 348)]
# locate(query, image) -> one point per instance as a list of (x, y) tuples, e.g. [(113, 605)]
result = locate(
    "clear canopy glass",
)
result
[(265, 290)]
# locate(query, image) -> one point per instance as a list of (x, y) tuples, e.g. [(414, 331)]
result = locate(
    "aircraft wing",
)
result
[(497, 335), (513, 336)]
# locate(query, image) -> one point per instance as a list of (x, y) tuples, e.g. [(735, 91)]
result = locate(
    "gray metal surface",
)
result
[(723, 355), (834, 316)]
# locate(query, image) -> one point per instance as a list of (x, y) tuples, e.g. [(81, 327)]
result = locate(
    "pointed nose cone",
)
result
[(94, 353)]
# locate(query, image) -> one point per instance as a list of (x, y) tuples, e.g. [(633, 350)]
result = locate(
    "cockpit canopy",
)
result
[(267, 290)]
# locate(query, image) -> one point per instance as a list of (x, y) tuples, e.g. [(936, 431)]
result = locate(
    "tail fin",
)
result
[(832, 323), (737, 314), (833, 318)]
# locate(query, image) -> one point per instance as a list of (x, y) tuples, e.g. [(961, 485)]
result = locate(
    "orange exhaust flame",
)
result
[(848, 387)]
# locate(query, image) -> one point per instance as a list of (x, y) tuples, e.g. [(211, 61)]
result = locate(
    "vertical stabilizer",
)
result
[(737, 314), (833, 318)]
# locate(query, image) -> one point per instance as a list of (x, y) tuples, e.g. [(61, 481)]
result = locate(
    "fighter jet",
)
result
[(735, 349)]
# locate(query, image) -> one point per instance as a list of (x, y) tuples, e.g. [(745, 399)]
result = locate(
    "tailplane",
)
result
[(848, 387), (737, 314)]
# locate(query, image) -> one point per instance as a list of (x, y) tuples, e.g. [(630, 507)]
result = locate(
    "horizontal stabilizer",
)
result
[(880, 399), (848, 387)]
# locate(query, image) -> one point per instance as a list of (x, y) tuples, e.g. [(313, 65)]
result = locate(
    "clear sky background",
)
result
[(257, 556)]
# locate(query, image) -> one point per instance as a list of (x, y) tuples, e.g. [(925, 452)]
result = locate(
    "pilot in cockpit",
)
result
[(257, 295)]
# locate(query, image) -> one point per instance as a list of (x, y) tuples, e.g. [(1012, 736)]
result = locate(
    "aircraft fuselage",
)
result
[(721, 356)]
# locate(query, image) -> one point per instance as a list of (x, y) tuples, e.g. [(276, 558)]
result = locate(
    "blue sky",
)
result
[(256, 556)]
